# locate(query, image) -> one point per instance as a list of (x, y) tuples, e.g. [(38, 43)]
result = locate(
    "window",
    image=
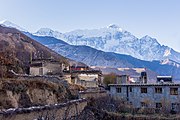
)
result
[(143, 90), (174, 106), (158, 105), (130, 103), (173, 91), (40, 71), (130, 89), (143, 104), (158, 90), (118, 90)]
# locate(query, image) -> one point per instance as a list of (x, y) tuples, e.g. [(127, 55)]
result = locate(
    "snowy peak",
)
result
[(149, 39), (44, 31), (49, 32), (114, 26), (12, 25)]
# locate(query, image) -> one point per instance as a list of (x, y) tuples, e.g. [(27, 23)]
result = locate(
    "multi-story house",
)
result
[(158, 95)]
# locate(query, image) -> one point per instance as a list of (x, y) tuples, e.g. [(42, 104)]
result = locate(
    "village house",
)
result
[(46, 67), (90, 78), (79, 68), (158, 95), (127, 79), (83, 75), (80, 75)]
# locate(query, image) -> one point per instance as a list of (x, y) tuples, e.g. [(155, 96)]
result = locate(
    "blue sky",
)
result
[(157, 18)]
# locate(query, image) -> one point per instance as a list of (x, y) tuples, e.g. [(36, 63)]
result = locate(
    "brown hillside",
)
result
[(16, 51), (26, 92)]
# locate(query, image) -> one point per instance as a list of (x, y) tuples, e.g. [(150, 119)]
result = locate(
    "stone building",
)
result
[(46, 67), (120, 79), (127, 79), (91, 78), (149, 95), (79, 68)]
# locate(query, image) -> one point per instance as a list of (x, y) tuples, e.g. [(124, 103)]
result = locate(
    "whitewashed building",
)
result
[(90, 78), (46, 67), (149, 95)]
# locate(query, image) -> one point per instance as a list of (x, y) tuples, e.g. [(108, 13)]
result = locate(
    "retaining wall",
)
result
[(58, 111), (92, 94)]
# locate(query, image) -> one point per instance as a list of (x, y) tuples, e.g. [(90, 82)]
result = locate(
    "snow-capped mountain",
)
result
[(7, 23), (95, 57), (49, 32), (115, 39), (111, 39), (170, 62)]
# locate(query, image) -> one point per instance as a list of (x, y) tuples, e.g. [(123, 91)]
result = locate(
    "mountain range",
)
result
[(114, 39), (109, 42)]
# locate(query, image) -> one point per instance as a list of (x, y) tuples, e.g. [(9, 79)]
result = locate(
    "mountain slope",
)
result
[(95, 57), (114, 39), (45, 40), (7, 23), (16, 51)]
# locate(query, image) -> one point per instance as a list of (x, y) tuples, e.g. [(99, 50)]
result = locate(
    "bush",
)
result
[(109, 79)]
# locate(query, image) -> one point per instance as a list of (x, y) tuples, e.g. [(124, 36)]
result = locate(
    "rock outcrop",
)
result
[(28, 92)]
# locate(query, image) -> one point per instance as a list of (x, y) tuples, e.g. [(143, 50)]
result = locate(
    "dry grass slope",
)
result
[(25, 93), (16, 51)]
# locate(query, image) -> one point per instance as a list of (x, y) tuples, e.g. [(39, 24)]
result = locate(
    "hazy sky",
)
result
[(157, 18)]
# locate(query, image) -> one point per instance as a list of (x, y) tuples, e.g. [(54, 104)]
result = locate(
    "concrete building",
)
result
[(46, 67), (149, 95), (127, 79), (122, 79), (89, 79)]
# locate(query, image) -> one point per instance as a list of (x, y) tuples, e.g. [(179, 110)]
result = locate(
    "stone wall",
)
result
[(57, 111), (86, 83), (92, 94)]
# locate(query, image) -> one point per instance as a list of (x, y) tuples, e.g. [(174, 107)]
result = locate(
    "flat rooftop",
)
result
[(164, 76), (148, 84)]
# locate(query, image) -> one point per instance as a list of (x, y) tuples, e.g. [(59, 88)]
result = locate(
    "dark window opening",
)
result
[(130, 89), (173, 91), (158, 90), (143, 90), (143, 104), (118, 90), (158, 105)]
